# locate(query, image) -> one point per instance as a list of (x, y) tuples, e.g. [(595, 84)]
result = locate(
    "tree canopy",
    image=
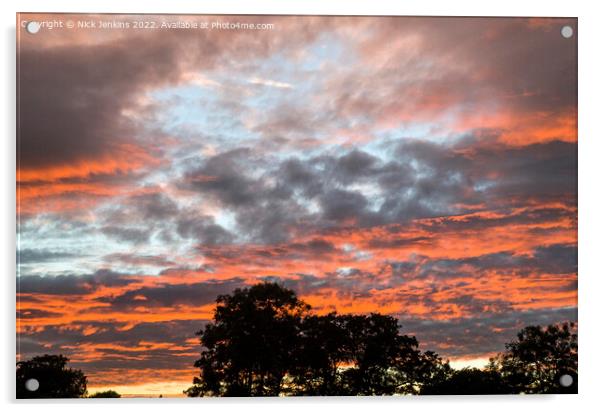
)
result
[(54, 378), (249, 346), (535, 361), (468, 381), (264, 341)]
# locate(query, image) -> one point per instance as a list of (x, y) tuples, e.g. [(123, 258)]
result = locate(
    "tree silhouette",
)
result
[(383, 361), (55, 380), (324, 348), (535, 362), (468, 381), (249, 346), (105, 394), (264, 342)]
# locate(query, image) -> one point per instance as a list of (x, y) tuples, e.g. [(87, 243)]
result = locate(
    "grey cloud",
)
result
[(339, 205), (127, 234), (266, 255), (204, 230), (553, 259), (482, 334), (540, 215), (354, 165), (133, 259), (71, 284), (27, 256), (168, 295), (36, 314), (271, 198), (64, 115), (56, 339), (138, 217)]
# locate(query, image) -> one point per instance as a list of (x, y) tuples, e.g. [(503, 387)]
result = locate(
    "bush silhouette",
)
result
[(105, 394), (468, 381)]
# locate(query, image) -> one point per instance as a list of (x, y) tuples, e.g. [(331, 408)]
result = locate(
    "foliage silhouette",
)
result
[(468, 381), (55, 380), (105, 394), (250, 344), (358, 355), (264, 342), (323, 350), (535, 361)]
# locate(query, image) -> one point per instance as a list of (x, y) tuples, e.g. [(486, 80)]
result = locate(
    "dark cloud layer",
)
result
[(118, 345), (422, 180), (27, 256), (71, 284), (168, 295), (482, 334), (553, 259)]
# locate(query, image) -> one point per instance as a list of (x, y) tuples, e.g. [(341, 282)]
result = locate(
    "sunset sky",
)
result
[(420, 167)]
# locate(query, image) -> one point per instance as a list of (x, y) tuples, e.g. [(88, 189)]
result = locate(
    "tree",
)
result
[(105, 394), (384, 362), (535, 362), (359, 355), (429, 369), (249, 346), (54, 378), (264, 342), (467, 381), (324, 348)]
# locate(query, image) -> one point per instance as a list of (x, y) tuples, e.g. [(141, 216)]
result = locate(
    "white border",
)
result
[(590, 138)]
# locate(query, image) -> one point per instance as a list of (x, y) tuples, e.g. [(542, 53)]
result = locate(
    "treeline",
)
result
[(265, 341)]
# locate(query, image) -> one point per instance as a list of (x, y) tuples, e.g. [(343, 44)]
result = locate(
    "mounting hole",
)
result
[(32, 385), (33, 27), (566, 380), (567, 32)]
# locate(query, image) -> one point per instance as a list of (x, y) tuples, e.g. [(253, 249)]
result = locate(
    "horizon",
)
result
[(159, 388)]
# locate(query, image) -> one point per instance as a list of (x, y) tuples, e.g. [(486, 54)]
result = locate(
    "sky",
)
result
[(424, 168)]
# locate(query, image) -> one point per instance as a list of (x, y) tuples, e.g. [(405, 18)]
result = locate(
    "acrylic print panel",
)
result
[(295, 205)]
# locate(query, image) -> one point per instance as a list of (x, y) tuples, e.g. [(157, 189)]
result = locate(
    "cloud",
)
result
[(204, 230), (66, 119), (139, 216), (125, 234), (270, 83), (483, 335), (169, 295), (139, 260), (29, 256), (71, 284), (36, 314), (423, 180), (96, 125), (104, 349)]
